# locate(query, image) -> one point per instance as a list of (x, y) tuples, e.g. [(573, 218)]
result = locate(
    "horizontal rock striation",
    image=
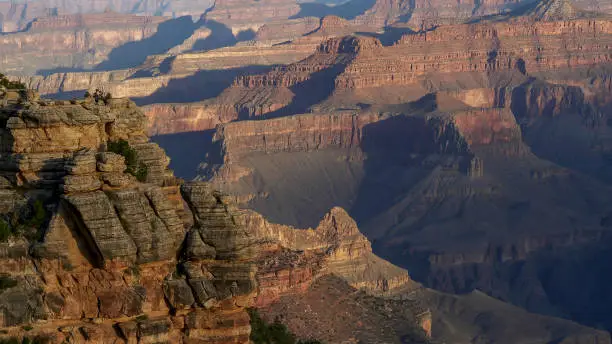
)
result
[(17, 16), (113, 257), (89, 20), (528, 48), (297, 133), (240, 15), (66, 42)]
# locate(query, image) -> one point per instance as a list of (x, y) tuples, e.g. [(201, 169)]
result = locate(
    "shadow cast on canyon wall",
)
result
[(348, 10), (169, 34), (566, 129), (186, 149), (390, 36), (205, 84), (316, 89), (221, 36), (394, 149)]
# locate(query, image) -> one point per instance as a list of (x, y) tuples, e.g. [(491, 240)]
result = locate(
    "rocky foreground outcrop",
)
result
[(117, 256)]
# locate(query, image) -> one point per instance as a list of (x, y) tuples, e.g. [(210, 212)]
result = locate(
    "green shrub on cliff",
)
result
[(4, 81), (275, 333), (27, 222), (5, 231), (7, 283), (122, 147)]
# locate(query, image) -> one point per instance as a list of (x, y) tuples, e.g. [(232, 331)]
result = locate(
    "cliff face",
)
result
[(244, 15), (422, 14), (528, 48), (17, 16), (119, 259), (213, 70), (72, 41)]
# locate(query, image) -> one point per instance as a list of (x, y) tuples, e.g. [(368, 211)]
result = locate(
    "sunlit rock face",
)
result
[(119, 256)]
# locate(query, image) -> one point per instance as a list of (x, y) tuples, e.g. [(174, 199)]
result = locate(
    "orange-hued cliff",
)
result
[(119, 258)]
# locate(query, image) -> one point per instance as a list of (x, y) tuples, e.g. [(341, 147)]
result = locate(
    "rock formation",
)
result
[(117, 257), (17, 15), (73, 41), (462, 127), (240, 15)]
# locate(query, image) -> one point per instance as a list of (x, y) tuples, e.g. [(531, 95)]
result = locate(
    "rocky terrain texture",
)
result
[(410, 179), (454, 149), (123, 259)]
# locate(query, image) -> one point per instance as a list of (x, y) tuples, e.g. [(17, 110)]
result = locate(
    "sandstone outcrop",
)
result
[(116, 257)]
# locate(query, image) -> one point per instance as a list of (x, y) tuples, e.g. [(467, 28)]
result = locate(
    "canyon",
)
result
[(125, 259), (16, 16), (454, 149), (100, 254), (437, 171)]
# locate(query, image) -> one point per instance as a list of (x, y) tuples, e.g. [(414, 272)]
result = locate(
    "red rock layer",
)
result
[(295, 133), (527, 47)]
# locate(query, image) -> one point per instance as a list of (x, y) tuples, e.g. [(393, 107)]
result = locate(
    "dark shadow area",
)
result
[(317, 88), (348, 10), (203, 85), (169, 34), (186, 150), (85, 241), (390, 36), (395, 148), (246, 35), (221, 36), (132, 54), (47, 72), (561, 125), (78, 94), (577, 280)]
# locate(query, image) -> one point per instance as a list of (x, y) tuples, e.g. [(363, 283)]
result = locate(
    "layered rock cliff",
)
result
[(246, 15), (497, 166), (18, 15), (103, 254), (71, 41)]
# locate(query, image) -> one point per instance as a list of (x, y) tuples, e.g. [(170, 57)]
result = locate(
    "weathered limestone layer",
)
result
[(124, 258)]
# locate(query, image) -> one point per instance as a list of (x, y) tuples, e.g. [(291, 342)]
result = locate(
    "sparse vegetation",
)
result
[(39, 215), (99, 95), (5, 231), (133, 167), (27, 328), (28, 222), (4, 81), (275, 333), (142, 317), (133, 270), (6, 282)]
